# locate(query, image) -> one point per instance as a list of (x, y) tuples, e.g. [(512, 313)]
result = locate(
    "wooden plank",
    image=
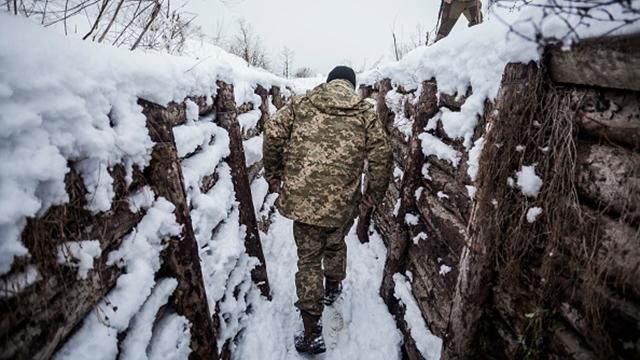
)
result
[(612, 62)]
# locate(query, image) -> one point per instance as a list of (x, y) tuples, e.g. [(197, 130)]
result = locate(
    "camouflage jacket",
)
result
[(317, 145)]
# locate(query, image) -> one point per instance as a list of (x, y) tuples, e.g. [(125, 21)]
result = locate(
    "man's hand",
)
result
[(274, 183)]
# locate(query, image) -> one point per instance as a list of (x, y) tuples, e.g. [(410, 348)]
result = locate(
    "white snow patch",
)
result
[(532, 214), (431, 145), (444, 270), (411, 219), (528, 182), (474, 158), (428, 344), (171, 339), (421, 236), (471, 191), (425, 171), (253, 150), (79, 254), (135, 345), (442, 195)]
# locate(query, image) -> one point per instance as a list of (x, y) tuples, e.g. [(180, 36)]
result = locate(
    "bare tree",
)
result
[(287, 60), (134, 24), (246, 45)]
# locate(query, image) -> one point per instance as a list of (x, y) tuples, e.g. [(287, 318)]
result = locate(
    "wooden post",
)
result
[(226, 116), (476, 268), (182, 258)]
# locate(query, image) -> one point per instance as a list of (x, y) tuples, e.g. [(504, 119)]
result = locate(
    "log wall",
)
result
[(38, 319), (571, 294)]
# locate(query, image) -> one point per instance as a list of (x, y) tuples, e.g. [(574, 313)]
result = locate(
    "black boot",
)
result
[(332, 290), (311, 341)]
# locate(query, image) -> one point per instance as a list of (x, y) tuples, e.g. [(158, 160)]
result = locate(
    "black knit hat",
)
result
[(343, 72)]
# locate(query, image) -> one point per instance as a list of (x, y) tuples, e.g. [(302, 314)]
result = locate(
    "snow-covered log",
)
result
[(182, 259), (226, 116)]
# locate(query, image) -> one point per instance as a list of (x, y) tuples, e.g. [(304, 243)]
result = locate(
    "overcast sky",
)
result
[(322, 33)]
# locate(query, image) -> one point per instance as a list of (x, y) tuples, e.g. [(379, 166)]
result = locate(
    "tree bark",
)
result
[(226, 116)]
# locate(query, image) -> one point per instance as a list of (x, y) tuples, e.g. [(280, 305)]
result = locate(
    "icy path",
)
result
[(368, 331)]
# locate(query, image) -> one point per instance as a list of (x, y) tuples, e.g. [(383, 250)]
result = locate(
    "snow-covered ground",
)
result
[(357, 326)]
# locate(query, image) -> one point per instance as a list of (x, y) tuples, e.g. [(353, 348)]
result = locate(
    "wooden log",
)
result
[(476, 266), (453, 102), (610, 177), (226, 117), (264, 107), (182, 259), (35, 322), (276, 97), (205, 104), (609, 114), (612, 62), (615, 252)]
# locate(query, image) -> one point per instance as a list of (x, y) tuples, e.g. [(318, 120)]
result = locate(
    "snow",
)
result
[(139, 255), (79, 254), (395, 102), (253, 150), (368, 331), (171, 339), (431, 145), (425, 171), (442, 195), (421, 236), (418, 193), (471, 191), (532, 214), (192, 110), (396, 207), (428, 344), (528, 182), (411, 219), (474, 158), (69, 101), (14, 283), (134, 346), (444, 269), (398, 174), (194, 134), (141, 199), (249, 120)]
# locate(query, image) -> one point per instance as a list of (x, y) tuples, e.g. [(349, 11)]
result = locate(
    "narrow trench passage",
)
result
[(357, 326)]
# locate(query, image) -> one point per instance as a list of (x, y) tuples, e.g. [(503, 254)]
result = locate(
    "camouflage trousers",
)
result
[(318, 246), (451, 13)]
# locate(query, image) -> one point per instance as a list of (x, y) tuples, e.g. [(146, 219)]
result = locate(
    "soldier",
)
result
[(451, 10), (315, 147)]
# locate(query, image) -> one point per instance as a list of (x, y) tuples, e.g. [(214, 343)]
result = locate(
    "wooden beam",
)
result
[(612, 62)]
